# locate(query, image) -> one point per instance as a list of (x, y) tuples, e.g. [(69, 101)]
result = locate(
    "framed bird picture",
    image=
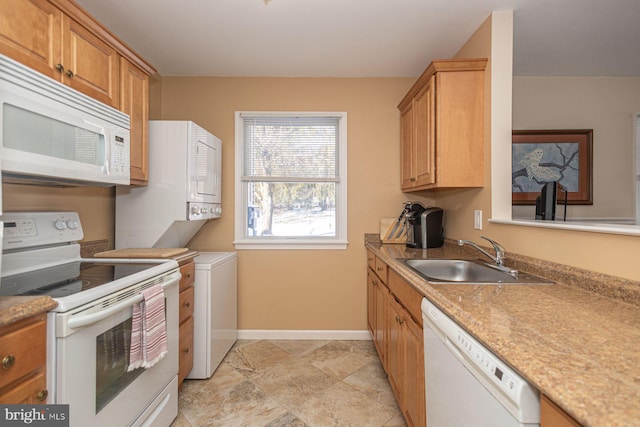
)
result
[(541, 156)]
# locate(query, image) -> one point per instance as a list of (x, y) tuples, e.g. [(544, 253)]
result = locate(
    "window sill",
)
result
[(288, 244)]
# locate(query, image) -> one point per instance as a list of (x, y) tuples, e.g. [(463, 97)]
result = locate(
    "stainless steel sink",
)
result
[(465, 271)]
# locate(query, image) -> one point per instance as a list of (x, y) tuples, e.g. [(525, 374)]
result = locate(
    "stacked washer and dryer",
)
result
[(183, 192)]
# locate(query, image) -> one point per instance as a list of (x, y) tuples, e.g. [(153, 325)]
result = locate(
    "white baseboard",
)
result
[(271, 334)]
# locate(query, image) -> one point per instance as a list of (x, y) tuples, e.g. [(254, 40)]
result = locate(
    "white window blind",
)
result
[(290, 149)]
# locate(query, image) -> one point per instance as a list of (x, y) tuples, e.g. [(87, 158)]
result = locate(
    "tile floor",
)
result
[(292, 383)]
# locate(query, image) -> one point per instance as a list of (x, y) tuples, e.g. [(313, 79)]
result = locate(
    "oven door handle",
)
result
[(89, 319)]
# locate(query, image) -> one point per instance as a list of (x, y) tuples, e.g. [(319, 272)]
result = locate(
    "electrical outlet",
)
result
[(477, 219)]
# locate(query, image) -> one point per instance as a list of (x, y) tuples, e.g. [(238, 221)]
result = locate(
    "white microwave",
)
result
[(53, 134)]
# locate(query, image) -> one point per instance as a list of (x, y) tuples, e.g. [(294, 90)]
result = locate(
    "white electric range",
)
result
[(88, 333)]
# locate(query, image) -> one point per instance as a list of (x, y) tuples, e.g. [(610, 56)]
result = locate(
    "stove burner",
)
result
[(67, 279)]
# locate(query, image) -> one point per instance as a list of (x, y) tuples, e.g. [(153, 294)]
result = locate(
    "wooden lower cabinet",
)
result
[(405, 362), (185, 331), (23, 357), (396, 329), (551, 415), (376, 313), (414, 409)]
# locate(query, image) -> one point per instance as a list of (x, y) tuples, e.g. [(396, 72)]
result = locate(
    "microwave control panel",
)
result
[(120, 152)]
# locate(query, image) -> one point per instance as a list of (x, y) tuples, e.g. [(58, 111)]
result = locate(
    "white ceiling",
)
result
[(368, 38)]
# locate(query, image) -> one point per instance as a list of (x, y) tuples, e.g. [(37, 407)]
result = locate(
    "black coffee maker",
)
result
[(424, 226)]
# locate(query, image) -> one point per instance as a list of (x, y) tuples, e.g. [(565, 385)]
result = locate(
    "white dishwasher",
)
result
[(215, 311), (466, 384)]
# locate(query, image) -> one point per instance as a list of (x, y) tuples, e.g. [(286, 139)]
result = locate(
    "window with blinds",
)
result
[(291, 179)]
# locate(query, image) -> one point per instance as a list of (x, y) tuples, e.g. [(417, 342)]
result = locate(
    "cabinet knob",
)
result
[(8, 361), (189, 275), (42, 396), (187, 304), (413, 179), (186, 350), (69, 73), (60, 68)]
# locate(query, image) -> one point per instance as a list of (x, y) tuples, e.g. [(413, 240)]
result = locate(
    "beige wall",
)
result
[(606, 253), (604, 104), (320, 290)]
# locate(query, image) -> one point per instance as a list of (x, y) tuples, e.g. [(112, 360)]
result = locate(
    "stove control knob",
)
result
[(72, 224), (195, 210), (60, 224)]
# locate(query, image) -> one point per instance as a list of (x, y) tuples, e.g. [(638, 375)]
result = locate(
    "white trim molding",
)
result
[(296, 334)]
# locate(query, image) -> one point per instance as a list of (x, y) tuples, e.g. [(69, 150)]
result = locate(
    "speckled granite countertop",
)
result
[(13, 309), (577, 341)]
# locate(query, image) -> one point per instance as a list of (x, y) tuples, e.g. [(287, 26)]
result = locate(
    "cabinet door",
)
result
[(134, 101), (381, 319), (408, 177), (395, 349), (371, 304), (185, 346), (30, 33), (424, 135), (91, 65), (414, 398), (552, 415)]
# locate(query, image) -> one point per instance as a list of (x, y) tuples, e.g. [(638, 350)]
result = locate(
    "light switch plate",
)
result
[(477, 219)]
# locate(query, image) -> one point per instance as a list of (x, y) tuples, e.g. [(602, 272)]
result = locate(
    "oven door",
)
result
[(91, 360)]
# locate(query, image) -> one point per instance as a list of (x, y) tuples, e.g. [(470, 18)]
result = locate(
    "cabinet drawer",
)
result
[(407, 295), (186, 304), (31, 390), (188, 272), (185, 357), (381, 270), (22, 349), (371, 260)]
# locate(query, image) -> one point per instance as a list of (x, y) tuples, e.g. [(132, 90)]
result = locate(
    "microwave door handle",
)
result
[(89, 319), (94, 127)]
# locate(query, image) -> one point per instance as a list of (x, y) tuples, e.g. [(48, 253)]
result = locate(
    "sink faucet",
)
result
[(500, 253)]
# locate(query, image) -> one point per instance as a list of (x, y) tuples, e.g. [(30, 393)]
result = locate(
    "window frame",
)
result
[(337, 242)]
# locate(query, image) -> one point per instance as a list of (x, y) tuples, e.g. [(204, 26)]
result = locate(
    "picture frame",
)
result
[(563, 155)]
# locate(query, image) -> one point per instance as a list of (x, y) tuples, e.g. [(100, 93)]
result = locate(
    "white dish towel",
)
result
[(148, 330)]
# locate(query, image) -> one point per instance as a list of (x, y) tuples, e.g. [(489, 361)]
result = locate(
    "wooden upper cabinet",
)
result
[(422, 158), (407, 147), (39, 35), (30, 33), (60, 40), (442, 127), (91, 65), (134, 101)]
